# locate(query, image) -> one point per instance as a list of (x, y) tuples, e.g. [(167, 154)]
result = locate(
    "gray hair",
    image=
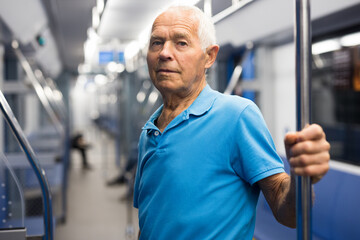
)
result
[(206, 28)]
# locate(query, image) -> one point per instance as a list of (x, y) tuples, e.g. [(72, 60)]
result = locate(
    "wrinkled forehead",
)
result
[(176, 18)]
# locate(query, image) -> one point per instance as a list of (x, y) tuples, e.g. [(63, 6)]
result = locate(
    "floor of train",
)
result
[(96, 211)]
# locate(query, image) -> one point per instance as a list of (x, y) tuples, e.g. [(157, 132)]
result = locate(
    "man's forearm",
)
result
[(286, 209), (279, 191)]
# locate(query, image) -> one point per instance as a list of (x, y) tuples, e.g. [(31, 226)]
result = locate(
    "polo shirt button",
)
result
[(156, 133)]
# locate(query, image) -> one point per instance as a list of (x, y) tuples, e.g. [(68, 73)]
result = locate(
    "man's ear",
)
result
[(211, 53)]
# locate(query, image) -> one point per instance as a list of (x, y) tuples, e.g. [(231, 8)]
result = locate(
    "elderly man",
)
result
[(204, 156)]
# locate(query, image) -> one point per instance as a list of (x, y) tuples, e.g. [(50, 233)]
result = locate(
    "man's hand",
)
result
[(308, 152)]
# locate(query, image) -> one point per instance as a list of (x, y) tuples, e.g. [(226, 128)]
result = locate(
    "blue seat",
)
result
[(336, 214)]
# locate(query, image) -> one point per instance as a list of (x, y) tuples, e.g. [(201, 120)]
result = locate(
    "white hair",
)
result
[(206, 28)]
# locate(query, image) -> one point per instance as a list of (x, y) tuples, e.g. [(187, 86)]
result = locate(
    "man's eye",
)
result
[(156, 43), (181, 43)]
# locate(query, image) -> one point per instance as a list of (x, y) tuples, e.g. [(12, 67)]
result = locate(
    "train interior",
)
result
[(75, 94)]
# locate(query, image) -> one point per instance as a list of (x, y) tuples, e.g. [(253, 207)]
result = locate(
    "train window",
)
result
[(11, 70), (11, 145), (336, 95)]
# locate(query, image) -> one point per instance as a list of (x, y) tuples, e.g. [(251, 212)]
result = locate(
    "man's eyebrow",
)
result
[(154, 36), (175, 36), (181, 35)]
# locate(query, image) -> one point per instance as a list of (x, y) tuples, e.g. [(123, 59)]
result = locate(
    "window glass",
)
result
[(336, 97)]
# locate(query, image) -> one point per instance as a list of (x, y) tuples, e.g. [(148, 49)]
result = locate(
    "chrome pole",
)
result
[(303, 78)]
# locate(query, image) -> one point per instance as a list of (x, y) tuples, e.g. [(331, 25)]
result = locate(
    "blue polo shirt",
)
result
[(195, 180)]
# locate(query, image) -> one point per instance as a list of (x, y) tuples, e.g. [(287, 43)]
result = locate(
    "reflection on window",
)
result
[(336, 100)]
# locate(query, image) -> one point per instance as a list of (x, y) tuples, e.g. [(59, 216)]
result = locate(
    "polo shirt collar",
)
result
[(150, 124), (200, 106), (203, 102)]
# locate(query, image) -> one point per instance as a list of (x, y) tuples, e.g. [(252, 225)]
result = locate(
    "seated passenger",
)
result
[(78, 142)]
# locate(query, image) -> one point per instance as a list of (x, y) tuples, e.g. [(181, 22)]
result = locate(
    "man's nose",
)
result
[(166, 51)]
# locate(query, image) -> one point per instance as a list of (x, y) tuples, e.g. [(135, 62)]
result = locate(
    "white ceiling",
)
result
[(125, 20), (69, 21), (122, 20)]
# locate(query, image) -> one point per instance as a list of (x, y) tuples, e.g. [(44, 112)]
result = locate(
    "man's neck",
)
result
[(174, 105)]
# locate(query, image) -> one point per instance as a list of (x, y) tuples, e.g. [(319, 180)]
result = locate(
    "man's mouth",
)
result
[(164, 70)]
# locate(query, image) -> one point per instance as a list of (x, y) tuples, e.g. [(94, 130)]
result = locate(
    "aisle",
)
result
[(95, 211)]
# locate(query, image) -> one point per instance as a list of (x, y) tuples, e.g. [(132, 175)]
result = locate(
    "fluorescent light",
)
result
[(84, 68), (120, 67), (140, 97), (208, 8), (144, 37), (90, 49), (186, 2), (325, 46), (92, 35), (131, 50), (111, 67), (153, 97), (350, 40), (80, 83), (57, 95), (100, 6), (95, 18), (100, 79)]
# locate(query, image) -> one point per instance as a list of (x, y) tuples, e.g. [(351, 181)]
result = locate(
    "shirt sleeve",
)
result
[(257, 156)]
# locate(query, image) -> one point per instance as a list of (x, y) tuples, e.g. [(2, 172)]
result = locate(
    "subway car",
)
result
[(76, 93)]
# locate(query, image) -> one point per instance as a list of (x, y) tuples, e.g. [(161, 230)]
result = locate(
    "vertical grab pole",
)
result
[(303, 64)]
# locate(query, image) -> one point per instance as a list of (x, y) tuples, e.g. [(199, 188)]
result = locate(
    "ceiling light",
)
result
[(144, 37), (81, 81), (95, 18), (350, 40), (153, 97), (186, 2), (140, 97), (325, 46), (92, 35), (84, 68), (120, 67), (90, 49), (57, 95), (112, 67), (100, 79), (100, 6), (208, 8), (15, 44), (131, 50)]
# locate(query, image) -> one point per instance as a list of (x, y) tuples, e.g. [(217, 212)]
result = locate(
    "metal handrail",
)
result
[(39, 172), (235, 76), (303, 78), (38, 88), (49, 87)]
